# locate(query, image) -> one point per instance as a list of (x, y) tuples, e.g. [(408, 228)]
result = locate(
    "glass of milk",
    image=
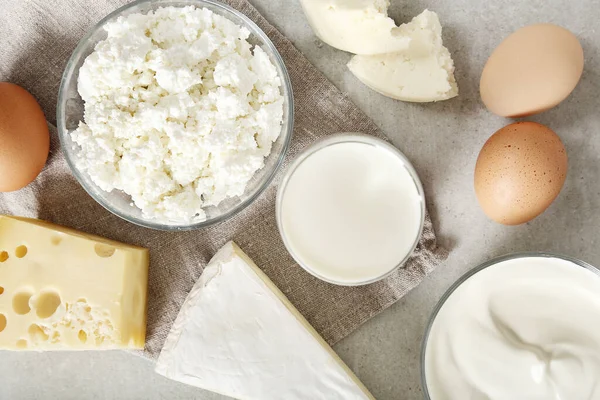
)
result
[(351, 209)]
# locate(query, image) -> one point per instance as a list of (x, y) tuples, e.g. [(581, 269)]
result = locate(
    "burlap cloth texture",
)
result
[(36, 40)]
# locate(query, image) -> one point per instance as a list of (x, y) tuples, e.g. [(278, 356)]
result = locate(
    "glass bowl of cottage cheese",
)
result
[(175, 115)]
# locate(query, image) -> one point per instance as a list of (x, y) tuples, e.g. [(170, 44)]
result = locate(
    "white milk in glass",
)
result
[(351, 211)]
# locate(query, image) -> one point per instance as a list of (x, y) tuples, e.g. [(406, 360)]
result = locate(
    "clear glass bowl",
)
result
[(349, 138), (468, 275), (70, 112)]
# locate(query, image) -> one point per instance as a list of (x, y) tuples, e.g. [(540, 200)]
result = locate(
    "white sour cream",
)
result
[(522, 329), (351, 211)]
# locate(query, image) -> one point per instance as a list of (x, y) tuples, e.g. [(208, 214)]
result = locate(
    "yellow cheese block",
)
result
[(65, 290)]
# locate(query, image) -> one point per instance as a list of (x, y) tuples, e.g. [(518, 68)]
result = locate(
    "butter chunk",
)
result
[(61, 289), (422, 73), (355, 26)]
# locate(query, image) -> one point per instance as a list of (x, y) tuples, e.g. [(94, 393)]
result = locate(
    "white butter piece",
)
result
[(423, 73), (239, 336), (356, 26)]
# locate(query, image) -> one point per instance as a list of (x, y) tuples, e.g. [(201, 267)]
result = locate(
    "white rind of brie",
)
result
[(423, 73), (239, 336), (356, 26)]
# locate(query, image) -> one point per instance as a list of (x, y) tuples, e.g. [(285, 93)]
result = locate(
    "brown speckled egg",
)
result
[(519, 172)]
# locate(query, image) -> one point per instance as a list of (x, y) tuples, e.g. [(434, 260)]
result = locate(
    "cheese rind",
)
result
[(356, 26), (67, 290), (422, 73), (239, 336)]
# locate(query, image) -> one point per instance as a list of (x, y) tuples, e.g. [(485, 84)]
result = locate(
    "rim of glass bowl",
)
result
[(348, 137), (287, 129), (440, 304)]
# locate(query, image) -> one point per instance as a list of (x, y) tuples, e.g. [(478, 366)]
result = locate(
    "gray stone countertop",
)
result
[(443, 141)]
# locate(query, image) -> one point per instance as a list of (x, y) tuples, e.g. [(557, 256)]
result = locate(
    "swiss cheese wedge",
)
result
[(65, 290)]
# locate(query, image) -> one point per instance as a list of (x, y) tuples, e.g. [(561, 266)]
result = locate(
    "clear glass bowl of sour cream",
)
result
[(70, 111), (521, 326)]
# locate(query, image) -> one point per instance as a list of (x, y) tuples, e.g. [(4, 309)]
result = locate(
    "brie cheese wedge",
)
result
[(239, 336), (422, 73), (356, 26)]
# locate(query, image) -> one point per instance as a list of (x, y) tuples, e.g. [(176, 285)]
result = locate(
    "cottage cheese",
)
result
[(180, 111)]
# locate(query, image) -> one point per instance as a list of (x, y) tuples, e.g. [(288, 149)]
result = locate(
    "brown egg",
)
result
[(520, 171), (531, 71), (24, 138)]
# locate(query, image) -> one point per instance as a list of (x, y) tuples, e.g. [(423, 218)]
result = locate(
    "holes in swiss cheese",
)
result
[(2, 322), (104, 250), (21, 251), (1, 290), (82, 336), (85, 305), (55, 240), (55, 337), (20, 301), (46, 303), (37, 334), (3, 256), (21, 344)]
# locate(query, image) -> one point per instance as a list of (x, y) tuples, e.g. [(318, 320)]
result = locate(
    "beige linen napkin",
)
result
[(36, 39)]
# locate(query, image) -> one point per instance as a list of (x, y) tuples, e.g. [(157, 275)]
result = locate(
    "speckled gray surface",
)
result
[(443, 141)]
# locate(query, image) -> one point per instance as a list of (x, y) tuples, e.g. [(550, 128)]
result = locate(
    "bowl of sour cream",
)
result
[(522, 326)]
